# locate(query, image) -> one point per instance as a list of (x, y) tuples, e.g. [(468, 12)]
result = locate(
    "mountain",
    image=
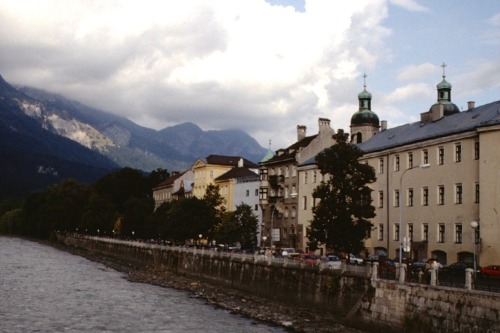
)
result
[(32, 157), (38, 126)]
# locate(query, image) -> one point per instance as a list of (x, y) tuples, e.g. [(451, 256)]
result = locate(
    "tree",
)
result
[(247, 224), (157, 176), (341, 218)]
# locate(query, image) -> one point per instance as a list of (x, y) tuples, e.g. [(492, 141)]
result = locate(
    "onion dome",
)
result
[(444, 96), (365, 116)]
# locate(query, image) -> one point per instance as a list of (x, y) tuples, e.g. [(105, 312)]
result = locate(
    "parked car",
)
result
[(491, 271), (356, 260), (458, 268), (308, 258), (331, 261)]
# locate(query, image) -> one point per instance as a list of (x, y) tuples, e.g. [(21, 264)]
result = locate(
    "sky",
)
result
[(262, 66)]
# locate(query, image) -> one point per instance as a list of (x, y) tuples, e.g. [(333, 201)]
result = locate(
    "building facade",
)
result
[(435, 177), (279, 193), (177, 186), (213, 166)]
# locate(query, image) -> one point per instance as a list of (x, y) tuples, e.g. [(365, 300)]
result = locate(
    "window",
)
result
[(380, 235), (458, 233), (263, 174), (256, 192), (410, 231), (441, 195), (440, 155), (381, 165), (380, 199), (396, 163), (476, 150), (396, 198), (314, 176), (458, 193), (458, 152), (211, 174), (305, 177), (396, 232), (425, 196), (441, 233), (410, 197), (304, 202), (256, 207), (425, 156), (410, 160), (294, 171), (287, 172), (476, 195), (263, 193), (294, 212), (287, 212), (425, 232), (248, 193)]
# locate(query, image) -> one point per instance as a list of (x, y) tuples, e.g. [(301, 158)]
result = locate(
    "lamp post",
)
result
[(423, 166), (474, 225)]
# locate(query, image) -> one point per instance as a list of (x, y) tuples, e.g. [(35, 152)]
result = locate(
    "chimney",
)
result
[(383, 125), (240, 163), (301, 132), (437, 112), (471, 105), (323, 124)]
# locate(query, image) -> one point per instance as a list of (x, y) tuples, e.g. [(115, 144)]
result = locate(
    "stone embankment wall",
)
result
[(424, 308), (354, 296)]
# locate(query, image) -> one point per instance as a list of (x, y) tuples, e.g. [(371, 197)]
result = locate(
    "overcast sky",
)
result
[(260, 66)]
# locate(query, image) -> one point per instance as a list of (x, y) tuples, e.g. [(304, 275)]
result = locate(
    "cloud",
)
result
[(407, 94), (495, 20), (409, 5), (221, 64), (417, 72)]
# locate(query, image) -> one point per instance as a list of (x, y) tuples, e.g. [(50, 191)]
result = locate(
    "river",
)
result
[(43, 289)]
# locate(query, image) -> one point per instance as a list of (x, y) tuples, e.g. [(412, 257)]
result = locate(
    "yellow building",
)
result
[(207, 170)]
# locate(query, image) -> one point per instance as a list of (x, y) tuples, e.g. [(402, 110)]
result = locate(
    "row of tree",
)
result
[(120, 204)]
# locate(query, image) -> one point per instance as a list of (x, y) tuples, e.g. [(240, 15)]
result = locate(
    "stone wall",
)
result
[(354, 296), (420, 307)]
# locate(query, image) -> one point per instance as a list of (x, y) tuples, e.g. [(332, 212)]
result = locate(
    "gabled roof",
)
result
[(229, 161), (236, 173), (169, 181), (482, 116), (291, 151)]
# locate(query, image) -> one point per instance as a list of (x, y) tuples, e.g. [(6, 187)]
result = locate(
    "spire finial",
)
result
[(444, 67), (364, 78)]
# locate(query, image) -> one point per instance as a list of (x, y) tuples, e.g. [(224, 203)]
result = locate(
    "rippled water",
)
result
[(46, 290)]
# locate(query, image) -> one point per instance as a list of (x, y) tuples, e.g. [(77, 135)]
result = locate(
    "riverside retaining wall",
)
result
[(354, 296)]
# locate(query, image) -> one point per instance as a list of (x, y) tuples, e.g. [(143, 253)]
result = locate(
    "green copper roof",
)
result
[(365, 117), (444, 85), (364, 94)]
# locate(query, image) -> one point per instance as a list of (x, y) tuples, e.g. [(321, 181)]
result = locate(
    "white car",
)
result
[(333, 262), (356, 260)]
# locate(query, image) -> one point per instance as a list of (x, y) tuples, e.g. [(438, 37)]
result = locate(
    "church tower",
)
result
[(365, 122)]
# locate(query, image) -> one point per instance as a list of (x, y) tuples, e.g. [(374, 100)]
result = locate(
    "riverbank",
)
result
[(292, 318)]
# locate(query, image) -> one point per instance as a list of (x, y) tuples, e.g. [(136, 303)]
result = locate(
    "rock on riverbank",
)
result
[(293, 318)]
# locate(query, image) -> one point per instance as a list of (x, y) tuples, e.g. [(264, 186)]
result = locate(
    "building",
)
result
[(238, 186), (435, 177), (177, 186), (279, 192), (213, 166)]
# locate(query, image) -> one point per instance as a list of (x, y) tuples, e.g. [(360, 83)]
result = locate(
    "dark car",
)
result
[(457, 269)]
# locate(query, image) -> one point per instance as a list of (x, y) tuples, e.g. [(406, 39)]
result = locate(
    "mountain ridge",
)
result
[(36, 125)]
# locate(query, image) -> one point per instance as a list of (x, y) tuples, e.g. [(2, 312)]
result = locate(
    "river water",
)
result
[(46, 290)]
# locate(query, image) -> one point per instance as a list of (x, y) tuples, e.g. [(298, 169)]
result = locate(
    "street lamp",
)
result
[(474, 225), (423, 166), (293, 195)]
